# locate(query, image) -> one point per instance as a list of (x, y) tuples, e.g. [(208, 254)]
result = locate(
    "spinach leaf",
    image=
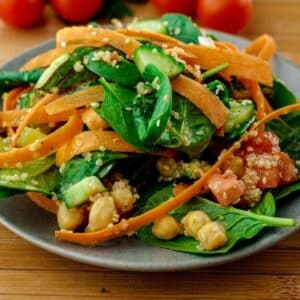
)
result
[(188, 129), (151, 123), (124, 72), (65, 76), (117, 111), (239, 224), (182, 28), (279, 94), (266, 206), (287, 190), (5, 192), (98, 163), (220, 89), (34, 176), (11, 79)]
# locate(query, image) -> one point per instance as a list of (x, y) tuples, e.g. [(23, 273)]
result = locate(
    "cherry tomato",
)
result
[(22, 13), (226, 15), (76, 11), (186, 7)]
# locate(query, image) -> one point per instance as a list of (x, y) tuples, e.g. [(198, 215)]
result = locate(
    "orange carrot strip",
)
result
[(201, 97), (13, 118), (240, 64), (48, 98), (264, 47), (75, 100), (135, 223), (179, 188), (91, 141), (43, 202), (95, 37), (44, 146), (45, 59), (92, 120)]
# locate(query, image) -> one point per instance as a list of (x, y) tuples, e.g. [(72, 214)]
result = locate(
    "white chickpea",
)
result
[(212, 236), (69, 219), (123, 195), (166, 228), (194, 221), (102, 213), (166, 166)]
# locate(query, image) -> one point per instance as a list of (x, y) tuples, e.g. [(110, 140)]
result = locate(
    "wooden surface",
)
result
[(27, 272)]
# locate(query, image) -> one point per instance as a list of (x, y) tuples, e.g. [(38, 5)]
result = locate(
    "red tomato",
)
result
[(287, 169), (76, 11), (22, 13), (186, 7), (225, 188), (226, 15)]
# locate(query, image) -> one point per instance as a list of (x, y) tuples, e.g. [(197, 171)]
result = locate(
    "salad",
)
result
[(156, 130)]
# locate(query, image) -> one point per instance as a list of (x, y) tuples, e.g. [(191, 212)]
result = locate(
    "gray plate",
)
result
[(36, 226)]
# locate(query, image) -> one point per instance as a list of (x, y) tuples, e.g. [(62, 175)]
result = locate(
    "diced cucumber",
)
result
[(56, 64), (241, 116), (150, 54), (149, 25), (80, 192), (28, 136)]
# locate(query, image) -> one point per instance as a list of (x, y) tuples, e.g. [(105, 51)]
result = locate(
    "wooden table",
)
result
[(27, 272)]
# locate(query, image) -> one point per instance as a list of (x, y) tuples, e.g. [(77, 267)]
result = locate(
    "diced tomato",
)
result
[(268, 178), (287, 169), (226, 188), (263, 142)]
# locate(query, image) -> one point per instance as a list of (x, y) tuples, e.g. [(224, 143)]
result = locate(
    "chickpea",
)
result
[(123, 195), (166, 228), (102, 213), (212, 236), (166, 166), (69, 219), (194, 221)]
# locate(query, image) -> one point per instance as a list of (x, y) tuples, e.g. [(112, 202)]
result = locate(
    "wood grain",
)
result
[(27, 272)]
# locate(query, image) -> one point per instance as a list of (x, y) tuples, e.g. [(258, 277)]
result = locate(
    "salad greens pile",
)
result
[(142, 108)]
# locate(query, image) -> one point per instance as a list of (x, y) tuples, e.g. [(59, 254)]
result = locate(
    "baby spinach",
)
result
[(239, 224), (124, 72), (37, 176), (97, 163), (65, 76), (220, 89), (187, 129), (279, 94), (150, 123), (11, 79), (117, 111), (182, 28), (287, 190)]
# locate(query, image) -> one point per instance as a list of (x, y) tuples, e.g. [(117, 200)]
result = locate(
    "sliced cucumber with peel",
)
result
[(149, 25), (150, 54)]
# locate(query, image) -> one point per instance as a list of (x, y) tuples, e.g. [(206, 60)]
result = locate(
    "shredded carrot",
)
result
[(32, 111), (13, 118), (83, 35), (44, 202), (92, 120), (240, 64), (135, 223), (91, 141), (44, 146), (264, 47), (45, 59), (77, 99), (203, 98)]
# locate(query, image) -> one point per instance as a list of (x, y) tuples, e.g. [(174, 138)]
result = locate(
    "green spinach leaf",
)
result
[(239, 224), (182, 28), (187, 129), (97, 163), (124, 72), (117, 110), (151, 123), (11, 79)]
